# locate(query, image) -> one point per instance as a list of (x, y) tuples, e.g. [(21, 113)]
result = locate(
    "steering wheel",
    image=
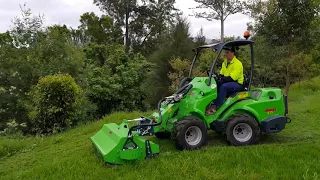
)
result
[(214, 74)]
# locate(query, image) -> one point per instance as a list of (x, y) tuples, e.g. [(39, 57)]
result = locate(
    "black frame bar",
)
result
[(219, 47)]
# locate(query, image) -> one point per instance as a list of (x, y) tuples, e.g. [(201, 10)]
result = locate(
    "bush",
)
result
[(13, 128), (311, 84), (117, 84), (85, 111), (52, 104)]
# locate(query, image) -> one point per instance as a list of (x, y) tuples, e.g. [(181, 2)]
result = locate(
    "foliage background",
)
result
[(114, 77)]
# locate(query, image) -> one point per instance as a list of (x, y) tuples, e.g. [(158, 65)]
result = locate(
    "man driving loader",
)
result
[(229, 80)]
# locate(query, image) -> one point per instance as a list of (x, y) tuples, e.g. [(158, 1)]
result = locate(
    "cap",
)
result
[(232, 49)]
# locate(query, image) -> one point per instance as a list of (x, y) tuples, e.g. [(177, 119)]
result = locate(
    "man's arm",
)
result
[(235, 74), (223, 69)]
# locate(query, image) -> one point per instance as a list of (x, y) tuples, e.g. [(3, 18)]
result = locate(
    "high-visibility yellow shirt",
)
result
[(234, 70)]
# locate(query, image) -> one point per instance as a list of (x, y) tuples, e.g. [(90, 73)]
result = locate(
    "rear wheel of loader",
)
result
[(242, 130), (189, 133)]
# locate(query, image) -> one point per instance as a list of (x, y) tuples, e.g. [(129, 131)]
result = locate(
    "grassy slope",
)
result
[(291, 154)]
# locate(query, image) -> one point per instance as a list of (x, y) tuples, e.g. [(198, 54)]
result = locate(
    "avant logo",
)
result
[(270, 110)]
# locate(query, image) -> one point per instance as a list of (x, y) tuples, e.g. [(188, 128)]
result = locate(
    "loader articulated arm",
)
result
[(145, 125)]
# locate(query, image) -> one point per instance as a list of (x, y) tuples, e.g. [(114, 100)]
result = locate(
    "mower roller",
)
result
[(241, 119)]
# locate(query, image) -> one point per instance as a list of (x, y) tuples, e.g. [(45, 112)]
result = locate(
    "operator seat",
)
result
[(245, 87)]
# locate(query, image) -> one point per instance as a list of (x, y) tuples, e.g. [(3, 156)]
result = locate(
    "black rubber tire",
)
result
[(180, 128), (242, 118), (163, 135)]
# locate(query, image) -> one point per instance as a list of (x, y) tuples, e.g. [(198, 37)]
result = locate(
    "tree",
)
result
[(144, 21), (286, 25), (30, 51), (116, 86), (101, 30), (219, 10), (176, 43), (200, 38), (16, 67), (180, 68), (287, 21), (26, 28)]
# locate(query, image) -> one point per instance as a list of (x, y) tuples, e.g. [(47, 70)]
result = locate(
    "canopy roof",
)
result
[(217, 46)]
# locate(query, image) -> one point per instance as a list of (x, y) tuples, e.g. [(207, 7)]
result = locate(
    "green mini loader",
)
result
[(241, 119)]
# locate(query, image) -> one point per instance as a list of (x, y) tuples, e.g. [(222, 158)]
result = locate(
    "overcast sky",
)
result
[(68, 12)]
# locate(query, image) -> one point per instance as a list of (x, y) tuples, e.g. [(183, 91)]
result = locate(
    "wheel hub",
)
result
[(242, 132), (193, 135), (239, 130)]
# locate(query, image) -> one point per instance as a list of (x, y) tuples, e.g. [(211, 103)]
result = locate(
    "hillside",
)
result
[(291, 154)]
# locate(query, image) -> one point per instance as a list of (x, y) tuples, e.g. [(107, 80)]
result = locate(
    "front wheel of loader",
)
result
[(242, 130), (189, 133)]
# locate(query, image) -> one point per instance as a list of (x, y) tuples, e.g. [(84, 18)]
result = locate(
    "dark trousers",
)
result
[(224, 88)]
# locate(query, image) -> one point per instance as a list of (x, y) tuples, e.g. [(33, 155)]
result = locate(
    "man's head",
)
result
[(229, 52)]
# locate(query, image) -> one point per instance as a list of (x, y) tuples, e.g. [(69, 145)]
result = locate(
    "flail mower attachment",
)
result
[(119, 144)]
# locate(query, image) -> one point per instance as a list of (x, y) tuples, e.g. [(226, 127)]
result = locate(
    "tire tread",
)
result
[(178, 128), (247, 119)]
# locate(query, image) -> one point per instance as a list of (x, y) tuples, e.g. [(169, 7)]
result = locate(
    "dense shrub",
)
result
[(181, 70), (113, 79), (85, 111), (13, 128), (117, 84), (310, 84), (52, 104)]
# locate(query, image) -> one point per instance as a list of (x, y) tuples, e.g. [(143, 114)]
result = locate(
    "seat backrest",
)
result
[(246, 83)]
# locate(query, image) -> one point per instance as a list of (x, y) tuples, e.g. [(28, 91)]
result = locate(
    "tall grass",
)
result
[(292, 154)]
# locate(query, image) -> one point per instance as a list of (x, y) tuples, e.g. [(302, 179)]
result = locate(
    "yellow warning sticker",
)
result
[(243, 95)]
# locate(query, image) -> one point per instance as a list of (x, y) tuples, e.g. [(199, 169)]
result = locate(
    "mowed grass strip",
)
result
[(292, 154)]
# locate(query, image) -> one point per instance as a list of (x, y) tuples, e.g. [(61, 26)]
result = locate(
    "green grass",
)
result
[(292, 154)]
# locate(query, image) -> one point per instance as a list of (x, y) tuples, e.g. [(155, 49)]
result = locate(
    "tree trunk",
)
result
[(287, 80), (222, 29), (127, 30)]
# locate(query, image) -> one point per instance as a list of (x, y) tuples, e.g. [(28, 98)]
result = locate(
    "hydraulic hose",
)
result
[(155, 124), (142, 125), (182, 90)]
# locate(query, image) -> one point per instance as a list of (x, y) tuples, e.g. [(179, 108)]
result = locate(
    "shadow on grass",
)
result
[(284, 138), (216, 140), (167, 147)]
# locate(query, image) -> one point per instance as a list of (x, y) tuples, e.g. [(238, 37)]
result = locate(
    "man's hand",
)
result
[(218, 76), (227, 79), (214, 75)]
